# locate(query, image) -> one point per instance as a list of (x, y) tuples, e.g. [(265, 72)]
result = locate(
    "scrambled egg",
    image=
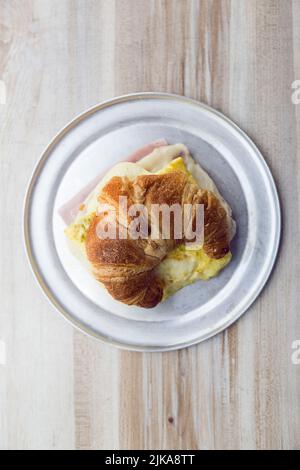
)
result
[(78, 230), (182, 266), (177, 165)]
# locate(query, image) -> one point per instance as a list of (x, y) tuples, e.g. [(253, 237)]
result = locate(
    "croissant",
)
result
[(127, 267)]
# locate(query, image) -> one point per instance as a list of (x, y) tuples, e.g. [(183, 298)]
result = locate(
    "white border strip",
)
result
[(2, 353)]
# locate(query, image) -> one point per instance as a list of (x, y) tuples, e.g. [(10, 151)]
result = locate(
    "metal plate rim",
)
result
[(26, 208)]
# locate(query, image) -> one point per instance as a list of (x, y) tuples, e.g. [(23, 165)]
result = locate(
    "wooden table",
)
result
[(62, 389)]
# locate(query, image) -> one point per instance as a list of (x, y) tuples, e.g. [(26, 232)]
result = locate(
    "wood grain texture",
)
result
[(61, 389)]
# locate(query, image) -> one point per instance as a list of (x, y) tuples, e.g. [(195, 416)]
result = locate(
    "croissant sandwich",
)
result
[(118, 229)]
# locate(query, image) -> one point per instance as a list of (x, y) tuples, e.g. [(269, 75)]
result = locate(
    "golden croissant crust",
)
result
[(126, 267)]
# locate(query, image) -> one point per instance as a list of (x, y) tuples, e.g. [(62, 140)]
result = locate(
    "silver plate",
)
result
[(94, 142)]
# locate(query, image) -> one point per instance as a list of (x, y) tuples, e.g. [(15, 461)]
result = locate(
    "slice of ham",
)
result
[(70, 209)]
